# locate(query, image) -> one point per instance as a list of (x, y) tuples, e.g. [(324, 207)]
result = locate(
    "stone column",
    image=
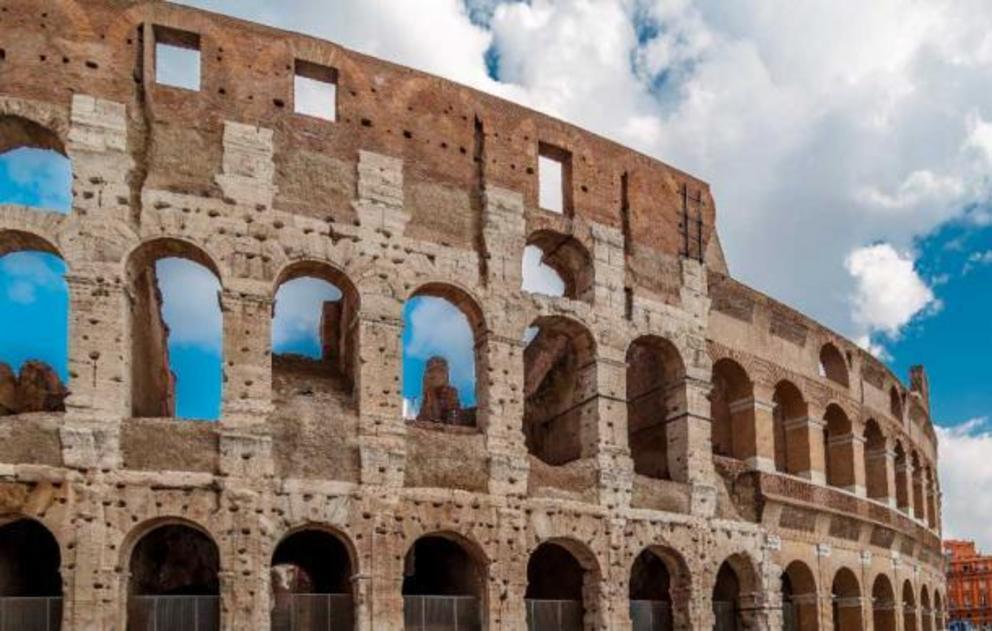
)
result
[(504, 236), (609, 263), (690, 451), (508, 460), (247, 357), (806, 449), (614, 465)]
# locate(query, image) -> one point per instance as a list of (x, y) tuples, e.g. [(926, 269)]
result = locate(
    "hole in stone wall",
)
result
[(726, 598), (789, 409), (29, 568), (655, 389), (177, 58), (895, 403), (560, 390), (839, 456), (732, 410), (311, 582), (174, 580), (557, 265), (442, 330), (34, 170), (34, 308), (315, 90), (176, 332), (313, 330), (554, 176), (832, 365)]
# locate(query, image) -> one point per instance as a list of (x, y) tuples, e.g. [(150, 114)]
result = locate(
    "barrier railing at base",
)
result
[(38, 613)]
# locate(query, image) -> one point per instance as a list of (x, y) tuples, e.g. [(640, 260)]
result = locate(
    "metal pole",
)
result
[(456, 612)]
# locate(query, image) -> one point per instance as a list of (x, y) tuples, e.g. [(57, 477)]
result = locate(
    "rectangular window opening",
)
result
[(177, 58), (554, 175), (315, 90)]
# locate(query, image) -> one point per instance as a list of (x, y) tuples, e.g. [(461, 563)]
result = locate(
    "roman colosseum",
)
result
[(658, 447)]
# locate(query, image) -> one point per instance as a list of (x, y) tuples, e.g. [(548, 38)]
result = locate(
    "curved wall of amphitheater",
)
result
[(668, 426)]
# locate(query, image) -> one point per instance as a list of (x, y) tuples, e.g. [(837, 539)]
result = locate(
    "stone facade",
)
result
[(759, 460)]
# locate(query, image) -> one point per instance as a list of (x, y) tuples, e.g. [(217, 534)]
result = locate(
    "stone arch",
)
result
[(938, 610), (560, 391), (903, 496), (178, 560), (440, 400), (312, 570), (736, 586), (152, 382), (655, 390), (29, 142), (895, 403), (31, 368), (449, 566), (876, 459), (790, 412), (845, 593), (800, 600), (732, 411), (883, 600), (833, 366), (658, 589), (838, 448), (569, 259), (338, 320), (563, 583), (909, 615), (926, 613), (30, 572)]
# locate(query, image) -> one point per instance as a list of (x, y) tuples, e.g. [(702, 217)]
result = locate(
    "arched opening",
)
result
[(34, 325), (895, 403), (561, 588), (833, 366), (926, 614), (908, 607), (902, 479), (839, 447), (555, 264), (799, 598), (846, 598), (444, 587), (173, 581), (34, 169), (311, 583), (559, 391), (444, 339), (726, 599), (650, 590), (655, 390), (732, 411), (919, 507), (789, 415), (883, 600), (30, 579), (314, 319), (176, 331), (876, 459)]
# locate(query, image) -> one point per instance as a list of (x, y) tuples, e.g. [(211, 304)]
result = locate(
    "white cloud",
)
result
[(877, 350), (966, 480), (298, 310), (977, 259), (27, 272), (41, 177), (888, 291), (190, 303), (538, 277)]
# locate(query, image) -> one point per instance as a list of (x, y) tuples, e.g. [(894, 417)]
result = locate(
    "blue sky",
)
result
[(848, 146)]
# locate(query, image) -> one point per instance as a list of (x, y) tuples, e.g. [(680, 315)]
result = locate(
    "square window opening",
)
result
[(177, 58), (315, 90), (554, 174)]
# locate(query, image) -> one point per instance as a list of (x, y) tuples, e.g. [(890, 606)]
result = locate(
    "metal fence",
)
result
[(724, 616), (790, 616), (313, 612), (651, 615), (554, 615), (173, 613), (441, 613), (39, 613)]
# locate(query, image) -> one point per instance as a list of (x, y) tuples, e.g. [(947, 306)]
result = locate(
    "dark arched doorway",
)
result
[(311, 583), (30, 583), (444, 586)]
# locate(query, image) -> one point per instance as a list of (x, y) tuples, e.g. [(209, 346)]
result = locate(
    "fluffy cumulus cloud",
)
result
[(888, 291), (965, 471), (298, 308)]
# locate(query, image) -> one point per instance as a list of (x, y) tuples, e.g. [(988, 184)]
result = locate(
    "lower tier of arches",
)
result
[(153, 551)]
